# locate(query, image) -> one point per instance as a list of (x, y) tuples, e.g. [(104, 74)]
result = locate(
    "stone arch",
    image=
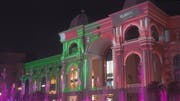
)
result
[(132, 67), (99, 46), (97, 51), (159, 56), (132, 52), (131, 32), (69, 66), (132, 24)]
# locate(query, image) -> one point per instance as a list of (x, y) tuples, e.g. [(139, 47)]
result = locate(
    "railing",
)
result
[(134, 85)]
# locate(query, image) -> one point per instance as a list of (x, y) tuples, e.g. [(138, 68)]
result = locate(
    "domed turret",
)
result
[(80, 19), (130, 3)]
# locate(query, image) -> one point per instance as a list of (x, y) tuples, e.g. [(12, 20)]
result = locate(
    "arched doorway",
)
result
[(156, 64), (132, 69), (73, 77), (99, 53)]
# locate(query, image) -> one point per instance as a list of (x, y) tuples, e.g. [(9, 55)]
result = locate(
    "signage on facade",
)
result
[(120, 17)]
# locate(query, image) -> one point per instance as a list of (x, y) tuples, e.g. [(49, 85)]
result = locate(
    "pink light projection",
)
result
[(163, 95), (34, 86), (12, 92), (47, 87), (121, 96)]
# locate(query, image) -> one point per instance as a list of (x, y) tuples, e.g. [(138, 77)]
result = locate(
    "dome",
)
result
[(130, 3), (80, 19)]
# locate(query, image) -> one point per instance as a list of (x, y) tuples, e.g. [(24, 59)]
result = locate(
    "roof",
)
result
[(80, 19), (43, 62)]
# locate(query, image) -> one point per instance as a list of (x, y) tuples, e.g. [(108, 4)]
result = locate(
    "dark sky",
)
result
[(31, 26)]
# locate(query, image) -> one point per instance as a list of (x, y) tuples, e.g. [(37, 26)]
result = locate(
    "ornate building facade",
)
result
[(132, 55)]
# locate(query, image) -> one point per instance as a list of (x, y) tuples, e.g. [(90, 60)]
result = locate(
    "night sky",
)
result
[(31, 26)]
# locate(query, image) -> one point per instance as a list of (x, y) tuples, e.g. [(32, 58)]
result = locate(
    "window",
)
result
[(52, 89), (43, 84), (176, 63), (73, 48), (100, 97), (93, 80), (73, 77), (109, 97), (131, 33), (109, 69), (154, 33)]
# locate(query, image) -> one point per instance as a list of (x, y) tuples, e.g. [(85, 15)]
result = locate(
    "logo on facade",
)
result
[(120, 17)]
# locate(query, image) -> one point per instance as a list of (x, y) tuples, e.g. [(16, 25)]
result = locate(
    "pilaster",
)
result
[(146, 47)]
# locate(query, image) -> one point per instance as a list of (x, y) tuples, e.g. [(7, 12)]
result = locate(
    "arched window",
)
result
[(154, 33), (43, 85), (109, 69), (133, 72), (176, 64), (73, 77), (73, 48), (52, 89), (132, 32)]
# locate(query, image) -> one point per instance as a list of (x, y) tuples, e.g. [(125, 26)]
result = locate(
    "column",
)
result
[(116, 60), (47, 86), (147, 64), (30, 85), (57, 88), (101, 70), (86, 82), (63, 84)]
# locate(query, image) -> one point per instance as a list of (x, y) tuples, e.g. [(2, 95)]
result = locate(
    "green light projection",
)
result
[(52, 65)]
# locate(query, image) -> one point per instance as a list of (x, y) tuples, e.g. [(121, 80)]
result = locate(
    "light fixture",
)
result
[(43, 85), (0, 93), (19, 88)]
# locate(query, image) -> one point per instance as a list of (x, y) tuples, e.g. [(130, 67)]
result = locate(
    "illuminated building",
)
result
[(132, 55)]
